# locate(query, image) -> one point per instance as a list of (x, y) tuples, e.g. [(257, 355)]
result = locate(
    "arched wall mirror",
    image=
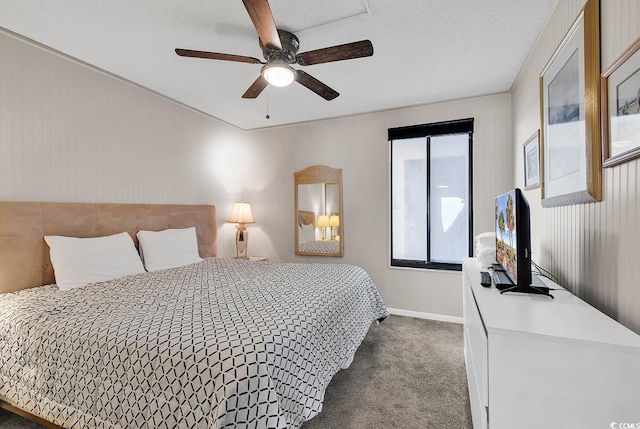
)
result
[(319, 225)]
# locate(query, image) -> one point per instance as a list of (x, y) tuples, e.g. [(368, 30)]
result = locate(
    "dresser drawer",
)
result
[(475, 347)]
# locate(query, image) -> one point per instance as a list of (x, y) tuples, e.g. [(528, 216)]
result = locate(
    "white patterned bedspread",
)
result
[(218, 344), (320, 246)]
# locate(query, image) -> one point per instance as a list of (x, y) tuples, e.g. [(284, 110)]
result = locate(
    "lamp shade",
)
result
[(334, 220), (278, 74), (323, 221), (241, 213)]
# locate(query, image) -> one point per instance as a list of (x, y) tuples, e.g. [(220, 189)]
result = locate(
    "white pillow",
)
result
[(309, 232), (80, 261), (302, 237), (169, 248)]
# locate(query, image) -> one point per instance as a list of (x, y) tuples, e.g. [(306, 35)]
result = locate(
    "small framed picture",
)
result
[(532, 161), (621, 108)]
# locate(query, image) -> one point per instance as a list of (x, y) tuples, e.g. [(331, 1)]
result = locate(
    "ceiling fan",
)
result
[(280, 49)]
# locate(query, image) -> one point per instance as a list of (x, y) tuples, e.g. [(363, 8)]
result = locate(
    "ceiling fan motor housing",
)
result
[(286, 55)]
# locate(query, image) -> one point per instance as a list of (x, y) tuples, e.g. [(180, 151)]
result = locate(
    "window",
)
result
[(431, 201)]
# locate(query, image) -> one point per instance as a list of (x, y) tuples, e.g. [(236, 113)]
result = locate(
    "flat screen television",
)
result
[(513, 243)]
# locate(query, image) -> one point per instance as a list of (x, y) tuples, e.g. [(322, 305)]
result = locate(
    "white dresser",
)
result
[(536, 362)]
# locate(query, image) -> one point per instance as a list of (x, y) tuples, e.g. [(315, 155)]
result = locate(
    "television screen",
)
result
[(506, 234), (513, 245)]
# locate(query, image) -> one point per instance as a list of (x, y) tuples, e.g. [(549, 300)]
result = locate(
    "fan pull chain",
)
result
[(267, 106)]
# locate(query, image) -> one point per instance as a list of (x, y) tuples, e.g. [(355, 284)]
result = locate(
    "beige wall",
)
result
[(359, 146), (592, 248), (71, 133)]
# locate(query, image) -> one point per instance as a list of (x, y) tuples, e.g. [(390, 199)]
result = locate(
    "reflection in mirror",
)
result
[(318, 211)]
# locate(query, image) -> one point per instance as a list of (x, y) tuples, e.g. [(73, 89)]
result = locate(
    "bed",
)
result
[(217, 343), (307, 243)]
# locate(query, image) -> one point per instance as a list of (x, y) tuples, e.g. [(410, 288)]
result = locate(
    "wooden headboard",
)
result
[(306, 218), (24, 255)]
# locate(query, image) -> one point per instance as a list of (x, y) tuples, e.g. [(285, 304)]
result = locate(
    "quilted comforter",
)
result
[(320, 246), (218, 344)]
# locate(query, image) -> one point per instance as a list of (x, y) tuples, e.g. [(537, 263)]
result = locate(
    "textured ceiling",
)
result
[(424, 50)]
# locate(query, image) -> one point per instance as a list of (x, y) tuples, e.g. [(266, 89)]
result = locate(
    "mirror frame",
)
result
[(313, 175)]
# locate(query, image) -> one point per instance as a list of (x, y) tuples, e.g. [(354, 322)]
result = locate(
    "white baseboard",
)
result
[(430, 316)]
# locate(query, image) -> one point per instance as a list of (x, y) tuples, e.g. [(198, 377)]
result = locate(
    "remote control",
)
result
[(485, 279)]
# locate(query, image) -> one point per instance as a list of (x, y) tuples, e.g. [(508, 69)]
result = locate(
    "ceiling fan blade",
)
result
[(262, 18), (256, 88), (348, 51), (217, 56), (315, 85)]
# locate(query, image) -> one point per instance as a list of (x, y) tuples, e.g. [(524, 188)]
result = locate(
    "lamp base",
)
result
[(242, 240)]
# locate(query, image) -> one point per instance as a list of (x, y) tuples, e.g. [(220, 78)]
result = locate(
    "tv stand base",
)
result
[(531, 289)]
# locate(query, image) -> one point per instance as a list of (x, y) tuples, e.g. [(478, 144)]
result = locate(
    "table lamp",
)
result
[(323, 222), (241, 214), (334, 222)]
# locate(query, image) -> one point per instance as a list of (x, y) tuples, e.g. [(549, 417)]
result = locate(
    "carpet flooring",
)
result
[(408, 373)]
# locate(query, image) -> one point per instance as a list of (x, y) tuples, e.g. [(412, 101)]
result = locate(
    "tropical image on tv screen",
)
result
[(506, 233)]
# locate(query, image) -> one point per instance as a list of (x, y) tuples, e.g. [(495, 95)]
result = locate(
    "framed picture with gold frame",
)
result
[(621, 108), (570, 148)]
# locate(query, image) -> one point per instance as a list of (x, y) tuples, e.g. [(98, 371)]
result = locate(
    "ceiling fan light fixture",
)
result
[(278, 74)]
